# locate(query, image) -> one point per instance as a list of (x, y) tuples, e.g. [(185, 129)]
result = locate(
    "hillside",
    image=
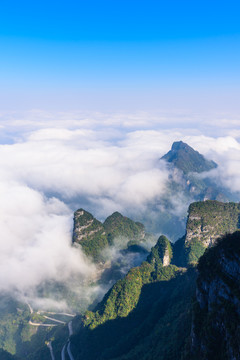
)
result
[(152, 302), (166, 308), (205, 223), (94, 236)]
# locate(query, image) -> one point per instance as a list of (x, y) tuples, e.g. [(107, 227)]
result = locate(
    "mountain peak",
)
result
[(177, 145), (185, 158)]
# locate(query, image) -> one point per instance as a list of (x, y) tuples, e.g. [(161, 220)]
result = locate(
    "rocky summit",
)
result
[(185, 158)]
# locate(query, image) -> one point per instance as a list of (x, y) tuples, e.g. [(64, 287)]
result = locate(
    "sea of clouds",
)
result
[(52, 164)]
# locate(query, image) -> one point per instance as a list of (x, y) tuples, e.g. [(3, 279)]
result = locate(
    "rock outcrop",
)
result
[(86, 227), (161, 252), (186, 159), (94, 236), (207, 221), (210, 219), (216, 323)]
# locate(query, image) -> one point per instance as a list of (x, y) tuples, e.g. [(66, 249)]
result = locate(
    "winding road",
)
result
[(49, 345), (67, 344)]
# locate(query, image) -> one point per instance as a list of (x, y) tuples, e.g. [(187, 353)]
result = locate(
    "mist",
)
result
[(51, 167)]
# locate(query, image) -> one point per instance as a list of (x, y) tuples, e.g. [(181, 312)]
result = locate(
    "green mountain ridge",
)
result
[(147, 313), (94, 237), (123, 303), (206, 222)]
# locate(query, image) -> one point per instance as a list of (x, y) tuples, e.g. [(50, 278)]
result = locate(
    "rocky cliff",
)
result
[(207, 221), (185, 158), (94, 236), (216, 323), (90, 234), (210, 219)]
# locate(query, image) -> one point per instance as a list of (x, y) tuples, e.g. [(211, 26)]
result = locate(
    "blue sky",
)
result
[(119, 55)]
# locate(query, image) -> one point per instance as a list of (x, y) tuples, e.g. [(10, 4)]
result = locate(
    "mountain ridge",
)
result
[(185, 158)]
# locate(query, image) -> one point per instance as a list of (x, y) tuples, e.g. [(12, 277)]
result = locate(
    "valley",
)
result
[(155, 288)]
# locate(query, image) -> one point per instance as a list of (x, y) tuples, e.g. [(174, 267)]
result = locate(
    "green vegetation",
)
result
[(155, 329), (213, 217), (90, 234), (17, 336), (14, 319), (206, 222), (119, 226), (93, 236), (123, 297), (93, 247), (193, 251), (162, 248), (147, 314)]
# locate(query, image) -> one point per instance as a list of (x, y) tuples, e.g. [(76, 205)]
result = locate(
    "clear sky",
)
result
[(119, 55)]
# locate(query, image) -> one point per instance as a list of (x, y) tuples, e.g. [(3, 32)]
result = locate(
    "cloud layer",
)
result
[(49, 167)]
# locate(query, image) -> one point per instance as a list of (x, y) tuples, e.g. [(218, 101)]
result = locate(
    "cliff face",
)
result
[(90, 234), (93, 236), (86, 227), (206, 222), (216, 323), (210, 219)]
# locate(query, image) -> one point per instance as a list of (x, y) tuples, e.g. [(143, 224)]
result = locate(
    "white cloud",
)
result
[(54, 164), (35, 240)]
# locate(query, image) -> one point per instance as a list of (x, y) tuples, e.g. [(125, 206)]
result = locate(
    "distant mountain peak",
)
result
[(185, 158)]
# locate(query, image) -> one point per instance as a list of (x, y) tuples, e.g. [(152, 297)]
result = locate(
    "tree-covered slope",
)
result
[(90, 234), (119, 226), (140, 312), (155, 330), (123, 297), (94, 236), (207, 221), (148, 315)]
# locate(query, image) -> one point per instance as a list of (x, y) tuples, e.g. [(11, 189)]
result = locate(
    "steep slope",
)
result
[(190, 179), (147, 315), (185, 158), (119, 226), (93, 236), (139, 313), (124, 295), (90, 234), (216, 323), (206, 222)]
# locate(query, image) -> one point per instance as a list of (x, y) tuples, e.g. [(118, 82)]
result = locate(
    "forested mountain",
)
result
[(163, 300), (191, 178), (156, 301), (117, 230), (165, 308)]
